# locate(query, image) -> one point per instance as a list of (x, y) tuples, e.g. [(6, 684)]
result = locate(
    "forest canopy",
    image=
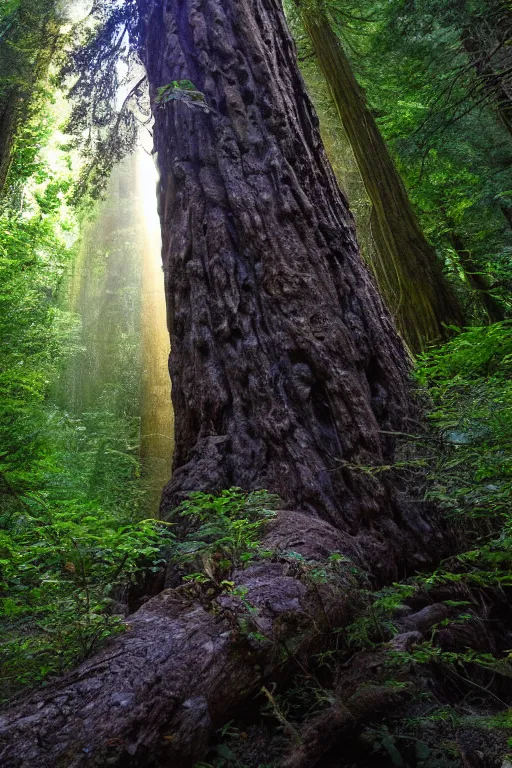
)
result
[(306, 560)]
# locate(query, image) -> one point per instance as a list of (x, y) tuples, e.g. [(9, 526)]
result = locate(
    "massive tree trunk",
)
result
[(408, 271), (285, 365), (287, 373)]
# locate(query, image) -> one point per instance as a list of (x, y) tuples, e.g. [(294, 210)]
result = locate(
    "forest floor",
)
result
[(421, 677)]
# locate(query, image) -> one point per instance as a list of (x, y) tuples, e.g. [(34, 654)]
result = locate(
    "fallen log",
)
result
[(155, 693)]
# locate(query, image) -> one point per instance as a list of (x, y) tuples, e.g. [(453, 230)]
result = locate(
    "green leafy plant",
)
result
[(63, 572), (469, 381), (183, 91), (73, 533), (224, 531)]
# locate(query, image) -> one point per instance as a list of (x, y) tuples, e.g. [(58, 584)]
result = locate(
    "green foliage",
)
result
[(375, 623), (8, 8), (35, 333), (469, 380), (29, 40), (73, 537), (404, 749), (24, 38), (63, 569), (303, 699), (184, 91), (226, 531), (100, 64), (453, 151), (469, 383)]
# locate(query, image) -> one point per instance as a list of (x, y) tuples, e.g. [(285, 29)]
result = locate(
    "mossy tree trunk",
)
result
[(26, 52), (408, 272), (287, 375)]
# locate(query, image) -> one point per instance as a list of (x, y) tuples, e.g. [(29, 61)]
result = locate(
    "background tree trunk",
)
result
[(408, 271), (34, 36), (8, 124), (286, 370)]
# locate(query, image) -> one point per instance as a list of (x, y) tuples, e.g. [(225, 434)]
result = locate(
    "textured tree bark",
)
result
[(286, 368), (408, 272), (287, 374), (154, 695)]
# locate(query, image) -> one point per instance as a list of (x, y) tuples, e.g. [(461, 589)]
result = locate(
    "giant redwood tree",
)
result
[(287, 375)]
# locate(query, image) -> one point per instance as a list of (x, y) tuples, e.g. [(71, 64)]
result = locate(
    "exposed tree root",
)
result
[(369, 702), (154, 694), (373, 689)]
